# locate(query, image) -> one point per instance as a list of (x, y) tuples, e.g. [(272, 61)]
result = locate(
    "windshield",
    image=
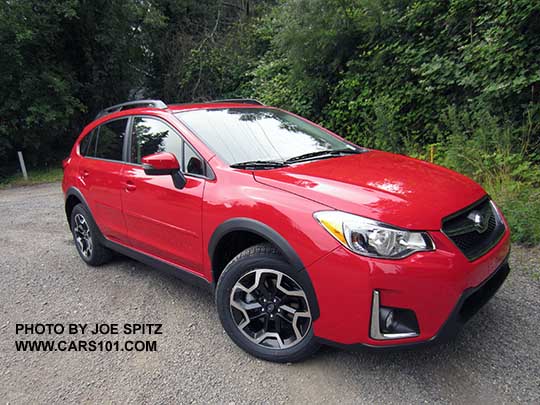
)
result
[(258, 134)]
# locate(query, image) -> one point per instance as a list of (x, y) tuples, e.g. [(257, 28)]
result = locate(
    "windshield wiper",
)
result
[(323, 154), (259, 164)]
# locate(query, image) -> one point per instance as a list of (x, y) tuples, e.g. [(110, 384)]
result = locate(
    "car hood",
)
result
[(394, 189)]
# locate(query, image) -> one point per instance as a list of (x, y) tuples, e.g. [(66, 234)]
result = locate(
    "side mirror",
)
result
[(160, 163), (164, 163)]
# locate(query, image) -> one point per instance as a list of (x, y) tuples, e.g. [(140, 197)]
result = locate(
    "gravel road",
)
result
[(496, 358)]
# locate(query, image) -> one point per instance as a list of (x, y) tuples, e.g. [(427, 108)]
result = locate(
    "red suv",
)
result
[(305, 237)]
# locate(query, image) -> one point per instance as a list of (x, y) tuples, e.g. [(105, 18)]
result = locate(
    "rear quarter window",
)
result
[(85, 143)]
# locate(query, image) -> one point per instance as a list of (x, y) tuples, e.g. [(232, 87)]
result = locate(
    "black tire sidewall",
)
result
[(228, 279)]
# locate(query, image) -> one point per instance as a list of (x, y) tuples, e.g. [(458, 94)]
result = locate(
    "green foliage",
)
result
[(61, 62), (310, 42), (272, 84), (522, 211), (432, 55), (498, 156), (204, 50), (36, 92)]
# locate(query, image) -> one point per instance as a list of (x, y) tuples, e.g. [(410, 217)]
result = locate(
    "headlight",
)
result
[(371, 238)]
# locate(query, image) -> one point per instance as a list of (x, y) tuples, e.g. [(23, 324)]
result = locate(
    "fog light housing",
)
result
[(391, 323)]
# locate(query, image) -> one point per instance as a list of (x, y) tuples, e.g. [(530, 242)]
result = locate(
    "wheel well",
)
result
[(71, 202), (229, 246)]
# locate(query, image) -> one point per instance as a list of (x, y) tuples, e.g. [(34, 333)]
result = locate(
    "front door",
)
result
[(162, 220)]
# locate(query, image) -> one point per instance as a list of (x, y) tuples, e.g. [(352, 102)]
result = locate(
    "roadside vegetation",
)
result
[(456, 82), (39, 176)]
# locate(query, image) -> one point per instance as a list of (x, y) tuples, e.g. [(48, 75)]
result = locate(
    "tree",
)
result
[(61, 62)]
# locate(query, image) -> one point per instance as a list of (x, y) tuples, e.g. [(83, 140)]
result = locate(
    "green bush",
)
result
[(501, 158), (522, 211)]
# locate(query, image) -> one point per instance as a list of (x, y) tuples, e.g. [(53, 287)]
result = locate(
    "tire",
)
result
[(86, 237), (269, 310)]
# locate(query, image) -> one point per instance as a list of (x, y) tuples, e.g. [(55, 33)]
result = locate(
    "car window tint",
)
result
[(193, 163), (85, 142), (110, 140), (153, 136)]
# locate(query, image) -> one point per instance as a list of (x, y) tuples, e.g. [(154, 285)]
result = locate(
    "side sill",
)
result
[(175, 271)]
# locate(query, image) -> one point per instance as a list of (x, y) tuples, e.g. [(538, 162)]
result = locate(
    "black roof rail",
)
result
[(235, 100), (131, 104)]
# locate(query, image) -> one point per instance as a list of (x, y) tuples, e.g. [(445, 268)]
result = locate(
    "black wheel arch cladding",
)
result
[(272, 236), (74, 192), (70, 193)]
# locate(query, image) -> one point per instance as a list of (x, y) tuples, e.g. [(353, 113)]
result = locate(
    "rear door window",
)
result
[(108, 141)]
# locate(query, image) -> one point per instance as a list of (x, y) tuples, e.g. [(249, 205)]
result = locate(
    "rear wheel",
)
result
[(264, 308), (85, 235)]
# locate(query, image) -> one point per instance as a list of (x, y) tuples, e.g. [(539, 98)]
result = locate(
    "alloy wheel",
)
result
[(270, 309), (83, 237)]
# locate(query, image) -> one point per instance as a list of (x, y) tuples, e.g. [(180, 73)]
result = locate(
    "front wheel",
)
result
[(264, 308)]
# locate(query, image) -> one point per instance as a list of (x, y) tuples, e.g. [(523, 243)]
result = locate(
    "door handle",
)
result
[(85, 173), (130, 186)]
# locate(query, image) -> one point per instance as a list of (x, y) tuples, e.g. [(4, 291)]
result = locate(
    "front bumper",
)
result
[(470, 302), (442, 287)]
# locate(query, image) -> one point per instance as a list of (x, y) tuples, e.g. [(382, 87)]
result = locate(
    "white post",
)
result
[(23, 166)]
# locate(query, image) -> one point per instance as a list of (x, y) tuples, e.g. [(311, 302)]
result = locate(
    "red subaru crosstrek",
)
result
[(305, 237)]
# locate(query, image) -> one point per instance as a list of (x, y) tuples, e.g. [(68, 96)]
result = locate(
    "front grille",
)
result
[(476, 229)]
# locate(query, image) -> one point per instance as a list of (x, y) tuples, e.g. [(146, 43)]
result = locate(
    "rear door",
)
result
[(101, 176), (162, 220)]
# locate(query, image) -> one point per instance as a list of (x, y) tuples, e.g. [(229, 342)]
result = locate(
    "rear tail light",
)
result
[(65, 162)]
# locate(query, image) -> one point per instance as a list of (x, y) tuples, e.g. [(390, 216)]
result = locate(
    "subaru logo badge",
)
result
[(479, 220)]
